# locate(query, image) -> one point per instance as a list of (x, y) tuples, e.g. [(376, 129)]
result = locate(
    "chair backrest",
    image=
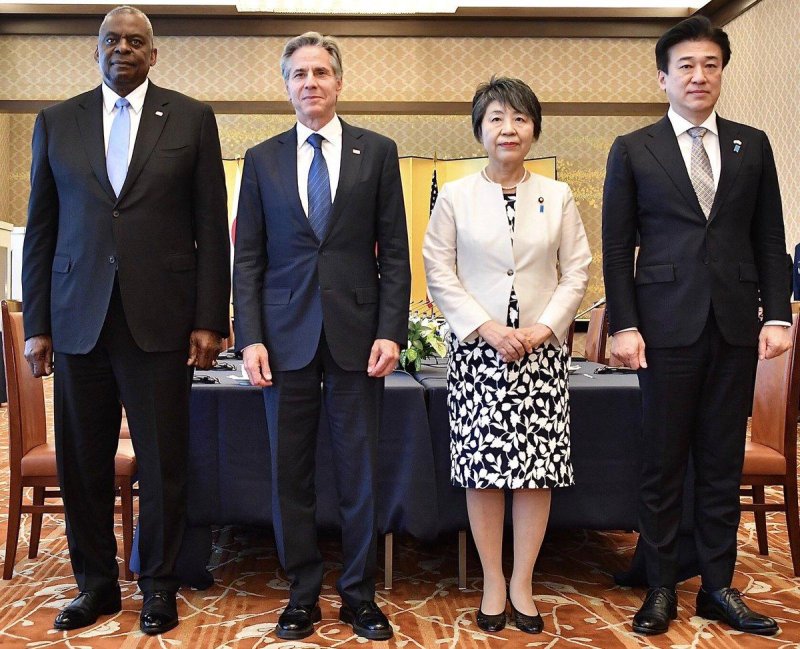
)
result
[(27, 425), (596, 336), (570, 337), (775, 401)]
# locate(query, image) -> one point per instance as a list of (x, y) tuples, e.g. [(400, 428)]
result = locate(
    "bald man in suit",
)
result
[(125, 278)]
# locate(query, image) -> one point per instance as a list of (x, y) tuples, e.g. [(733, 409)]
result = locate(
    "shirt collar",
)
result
[(135, 97), (680, 124), (332, 131)]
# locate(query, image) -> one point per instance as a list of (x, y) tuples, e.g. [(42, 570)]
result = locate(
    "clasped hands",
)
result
[(383, 359), (512, 344)]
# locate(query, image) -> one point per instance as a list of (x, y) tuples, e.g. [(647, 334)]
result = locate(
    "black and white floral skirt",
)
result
[(509, 422)]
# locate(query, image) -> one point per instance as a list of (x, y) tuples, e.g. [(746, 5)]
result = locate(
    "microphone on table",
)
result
[(599, 302)]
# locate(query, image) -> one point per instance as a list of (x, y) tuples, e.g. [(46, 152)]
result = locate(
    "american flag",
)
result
[(434, 188)]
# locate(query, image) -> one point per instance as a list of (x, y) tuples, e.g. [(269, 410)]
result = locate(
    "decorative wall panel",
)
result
[(761, 87), (376, 69)]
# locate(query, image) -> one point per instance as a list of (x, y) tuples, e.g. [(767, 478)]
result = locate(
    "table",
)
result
[(605, 416), (229, 478)]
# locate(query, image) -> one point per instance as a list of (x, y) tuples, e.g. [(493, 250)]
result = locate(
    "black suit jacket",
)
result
[(287, 284), (687, 263), (166, 235)]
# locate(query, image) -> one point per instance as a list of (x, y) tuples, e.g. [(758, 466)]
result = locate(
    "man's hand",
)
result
[(772, 341), (627, 347), (204, 346), (39, 354), (511, 344), (256, 364), (383, 358)]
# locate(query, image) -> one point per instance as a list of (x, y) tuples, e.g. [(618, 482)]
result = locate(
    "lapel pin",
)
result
[(159, 113), (541, 204), (737, 144), (357, 151)]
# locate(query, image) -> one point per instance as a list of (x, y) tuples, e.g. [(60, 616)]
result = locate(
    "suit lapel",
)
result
[(730, 159), (287, 174), (90, 124), (348, 170), (154, 116), (664, 146)]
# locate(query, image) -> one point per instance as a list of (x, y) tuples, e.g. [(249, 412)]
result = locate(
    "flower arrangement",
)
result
[(426, 335)]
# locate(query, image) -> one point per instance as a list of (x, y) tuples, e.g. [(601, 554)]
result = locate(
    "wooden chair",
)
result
[(570, 338), (597, 336), (771, 454), (32, 459)]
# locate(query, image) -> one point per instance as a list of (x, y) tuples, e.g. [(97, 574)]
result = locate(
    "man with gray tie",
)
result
[(701, 195), (126, 287), (321, 285)]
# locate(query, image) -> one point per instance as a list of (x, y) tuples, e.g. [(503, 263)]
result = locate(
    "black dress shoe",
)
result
[(297, 621), (367, 620), (159, 612), (726, 604), (659, 608), (526, 623), (86, 607), (490, 623)]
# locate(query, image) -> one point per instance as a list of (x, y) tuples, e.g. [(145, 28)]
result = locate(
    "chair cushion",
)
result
[(762, 460), (40, 461)]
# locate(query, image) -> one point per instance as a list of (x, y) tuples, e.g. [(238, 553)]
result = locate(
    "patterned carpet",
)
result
[(573, 588)]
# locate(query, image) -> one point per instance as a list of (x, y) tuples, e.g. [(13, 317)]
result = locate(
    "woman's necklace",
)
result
[(507, 190)]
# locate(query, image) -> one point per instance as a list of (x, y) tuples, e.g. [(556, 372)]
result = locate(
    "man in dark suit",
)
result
[(125, 275), (321, 287), (701, 194)]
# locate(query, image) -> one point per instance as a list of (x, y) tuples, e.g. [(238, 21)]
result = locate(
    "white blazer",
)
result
[(471, 264)]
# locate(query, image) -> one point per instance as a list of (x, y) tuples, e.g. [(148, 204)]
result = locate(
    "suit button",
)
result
[(115, 213), (112, 259), (509, 272), (705, 261)]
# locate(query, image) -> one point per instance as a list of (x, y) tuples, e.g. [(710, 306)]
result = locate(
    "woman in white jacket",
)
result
[(506, 259)]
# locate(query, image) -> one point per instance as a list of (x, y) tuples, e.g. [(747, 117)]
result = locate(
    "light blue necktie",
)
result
[(319, 189), (118, 143)]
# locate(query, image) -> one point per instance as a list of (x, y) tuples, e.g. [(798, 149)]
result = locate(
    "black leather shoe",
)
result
[(526, 623), (159, 612), (297, 621), (726, 604), (367, 620), (86, 607), (490, 623), (660, 607)]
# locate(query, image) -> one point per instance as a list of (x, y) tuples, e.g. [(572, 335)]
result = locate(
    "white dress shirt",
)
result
[(331, 151), (136, 99), (710, 142)]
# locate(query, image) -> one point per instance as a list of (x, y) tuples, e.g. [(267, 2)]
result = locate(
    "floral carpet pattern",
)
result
[(573, 588)]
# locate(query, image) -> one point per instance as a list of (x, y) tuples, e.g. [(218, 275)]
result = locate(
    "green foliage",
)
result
[(425, 340)]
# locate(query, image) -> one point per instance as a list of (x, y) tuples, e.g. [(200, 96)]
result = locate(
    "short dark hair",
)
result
[(509, 92), (696, 28)]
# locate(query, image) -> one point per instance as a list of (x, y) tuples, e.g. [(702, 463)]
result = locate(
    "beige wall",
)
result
[(761, 87), (5, 167), (376, 69)]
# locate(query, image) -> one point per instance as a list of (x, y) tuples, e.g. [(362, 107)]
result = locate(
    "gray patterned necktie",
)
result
[(700, 173), (118, 143), (319, 189)]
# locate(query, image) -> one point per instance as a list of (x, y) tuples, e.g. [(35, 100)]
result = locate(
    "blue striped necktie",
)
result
[(319, 189), (118, 143)]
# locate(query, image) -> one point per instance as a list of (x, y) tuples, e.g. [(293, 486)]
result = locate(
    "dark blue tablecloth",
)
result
[(605, 415)]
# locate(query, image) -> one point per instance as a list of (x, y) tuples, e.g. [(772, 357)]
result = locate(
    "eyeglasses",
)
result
[(221, 366), (205, 378), (614, 370)]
